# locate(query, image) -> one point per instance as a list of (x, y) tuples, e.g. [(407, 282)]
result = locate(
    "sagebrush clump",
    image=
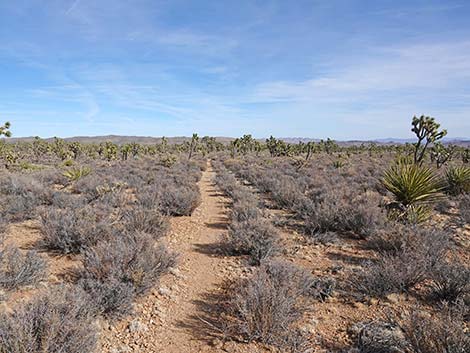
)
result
[(61, 321), (72, 230), (127, 265), (18, 269), (266, 306)]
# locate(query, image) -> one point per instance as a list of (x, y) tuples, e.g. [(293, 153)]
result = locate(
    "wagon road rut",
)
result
[(170, 319)]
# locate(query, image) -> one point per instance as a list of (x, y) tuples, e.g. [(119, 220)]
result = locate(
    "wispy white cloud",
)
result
[(72, 6), (426, 68)]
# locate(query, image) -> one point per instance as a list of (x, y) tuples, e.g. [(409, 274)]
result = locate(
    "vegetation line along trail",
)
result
[(170, 315)]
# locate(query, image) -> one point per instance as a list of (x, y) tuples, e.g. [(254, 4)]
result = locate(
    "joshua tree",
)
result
[(125, 150), (465, 155), (329, 145), (108, 150), (163, 146), (6, 152), (76, 148), (234, 147), (277, 147), (5, 130), (209, 143), (442, 154), (246, 144), (427, 131), (193, 145)]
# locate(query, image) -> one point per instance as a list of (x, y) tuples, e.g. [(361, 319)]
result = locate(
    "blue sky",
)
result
[(320, 68)]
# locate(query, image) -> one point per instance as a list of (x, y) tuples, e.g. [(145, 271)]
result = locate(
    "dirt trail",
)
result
[(169, 320)]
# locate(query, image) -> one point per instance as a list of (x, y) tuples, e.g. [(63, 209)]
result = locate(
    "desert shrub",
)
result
[(394, 237), (19, 208), (22, 196), (321, 288), (391, 238), (266, 306), (23, 185), (186, 172), (359, 215), (66, 200), (19, 269), (179, 200), (243, 194), (390, 274), (450, 281), (464, 207), (416, 332), (3, 228), (380, 337), (170, 198), (115, 198), (71, 230), (443, 205), (286, 192), (147, 220), (245, 210), (112, 298), (401, 270), (94, 186), (457, 180), (127, 261), (442, 332), (256, 238), (226, 182), (56, 322), (51, 177)]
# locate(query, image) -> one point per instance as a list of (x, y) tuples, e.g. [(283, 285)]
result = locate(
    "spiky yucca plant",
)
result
[(457, 180), (338, 164), (414, 188), (74, 174)]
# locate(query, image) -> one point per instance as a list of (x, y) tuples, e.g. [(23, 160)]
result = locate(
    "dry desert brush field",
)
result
[(245, 246)]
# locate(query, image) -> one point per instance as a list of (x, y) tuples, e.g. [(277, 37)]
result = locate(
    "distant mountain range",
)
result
[(460, 141)]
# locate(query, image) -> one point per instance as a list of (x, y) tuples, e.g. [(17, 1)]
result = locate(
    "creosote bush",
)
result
[(58, 322)]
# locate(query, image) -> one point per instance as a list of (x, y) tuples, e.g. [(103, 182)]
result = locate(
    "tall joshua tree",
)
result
[(427, 131), (193, 146), (5, 130)]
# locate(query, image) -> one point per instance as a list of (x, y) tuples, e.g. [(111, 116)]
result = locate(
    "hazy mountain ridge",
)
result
[(119, 139)]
